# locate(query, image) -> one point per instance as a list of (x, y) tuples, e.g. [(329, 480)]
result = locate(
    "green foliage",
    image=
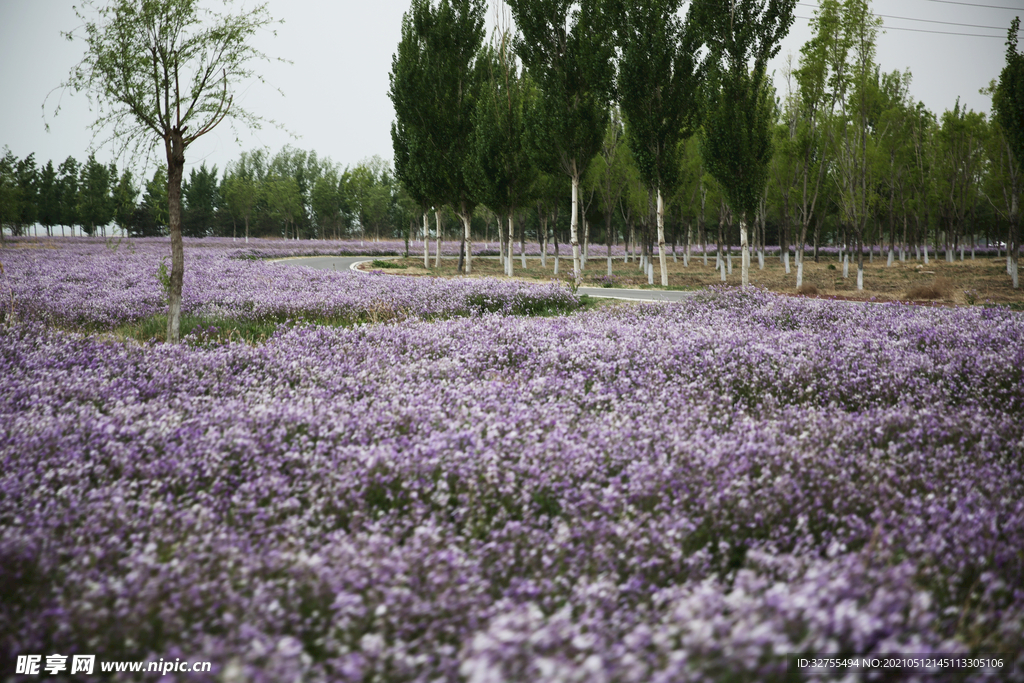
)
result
[(163, 276), (200, 198), (501, 170), (567, 50), (48, 197), (1008, 98), (383, 263), (736, 138), (659, 79), (95, 204)]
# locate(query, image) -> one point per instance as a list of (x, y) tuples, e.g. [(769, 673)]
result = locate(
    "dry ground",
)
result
[(978, 281)]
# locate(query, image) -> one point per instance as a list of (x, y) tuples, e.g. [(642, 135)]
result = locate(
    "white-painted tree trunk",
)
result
[(760, 259), (891, 258), (556, 264), (799, 273), (722, 269), (926, 254), (574, 227), (437, 239), (509, 258), (785, 261), (609, 265), (650, 273), (468, 240), (426, 241), (744, 252), (728, 259), (860, 276), (544, 244), (661, 241), (846, 266)]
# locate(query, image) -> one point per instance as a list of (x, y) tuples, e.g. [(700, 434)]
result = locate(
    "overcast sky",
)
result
[(335, 90)]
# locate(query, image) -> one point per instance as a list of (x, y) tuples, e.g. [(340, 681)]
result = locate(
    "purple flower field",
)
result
[(85, 283), (641, 493)]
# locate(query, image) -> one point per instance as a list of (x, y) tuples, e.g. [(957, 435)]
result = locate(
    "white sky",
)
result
[(335, 91)]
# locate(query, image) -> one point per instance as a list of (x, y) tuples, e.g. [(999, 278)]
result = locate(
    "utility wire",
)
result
[(927, 21), (921, 30), (971, 4)]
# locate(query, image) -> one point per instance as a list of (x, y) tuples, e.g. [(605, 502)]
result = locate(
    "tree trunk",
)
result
[(175, 149), (509, 259), (437, 238), (661, 240), (467, 219), (542, 216), (426, 242), (574, 223), (1014, 243), (522, 243), (745, 252)]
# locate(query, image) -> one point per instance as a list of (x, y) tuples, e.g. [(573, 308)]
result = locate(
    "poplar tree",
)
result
[(567, 49), (502, 170), (1008, 110), (736, 138), (659, 78)]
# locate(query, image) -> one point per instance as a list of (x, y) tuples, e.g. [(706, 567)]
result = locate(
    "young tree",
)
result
[(736, 138), (659, 78), (165, 70), (567, 50), (1008, 110)]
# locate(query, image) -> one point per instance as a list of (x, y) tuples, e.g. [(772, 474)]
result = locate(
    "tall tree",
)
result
[(736, 138), (567, 49), (28, 182), (417, 159), (659, 79), (165, 70), (457, 39), (960, 146), (502, 170), (200, 200), (95, 206), (10, 193), (855, 123), (67, 183), (48, 198), (153, 220), (1008, 109), (124, 198)]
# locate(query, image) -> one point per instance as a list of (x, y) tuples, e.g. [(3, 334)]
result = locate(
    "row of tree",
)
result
[(290, 194), (637, 105)]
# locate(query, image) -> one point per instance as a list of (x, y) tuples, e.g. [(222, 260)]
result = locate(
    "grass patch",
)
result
[(381, 263), (199, 330)]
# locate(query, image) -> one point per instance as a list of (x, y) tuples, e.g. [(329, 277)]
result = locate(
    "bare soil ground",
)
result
[(979, 281)]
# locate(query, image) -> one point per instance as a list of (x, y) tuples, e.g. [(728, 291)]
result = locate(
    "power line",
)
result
[(971, 4), (921, 30), (927, 21)]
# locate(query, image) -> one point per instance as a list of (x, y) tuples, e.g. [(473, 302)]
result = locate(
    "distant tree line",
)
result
[(291, 194)]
